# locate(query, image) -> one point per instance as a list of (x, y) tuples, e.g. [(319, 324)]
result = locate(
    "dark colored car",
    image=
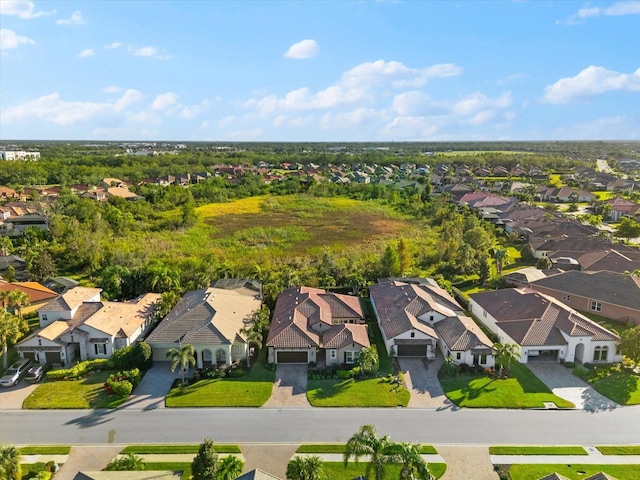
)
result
[(36, 373)]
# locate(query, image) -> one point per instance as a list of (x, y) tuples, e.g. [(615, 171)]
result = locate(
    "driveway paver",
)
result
[(289, 388), (563, 383), (272, 458), (12, 398), (153, 388), (90, 459), (421, 378), (467, 463)]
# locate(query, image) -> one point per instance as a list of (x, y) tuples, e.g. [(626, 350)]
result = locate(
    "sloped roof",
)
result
[(531, 318), (35, 291), (608, 287), (124, 318), (257, 474), (71, 299), (54, 330), (207, 316), (460, 333), (343, 334)]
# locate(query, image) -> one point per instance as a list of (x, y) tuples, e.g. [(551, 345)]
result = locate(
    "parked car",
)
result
[(15, 372), (36, 373)]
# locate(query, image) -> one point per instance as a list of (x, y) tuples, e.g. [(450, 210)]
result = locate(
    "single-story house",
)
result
[(79, 326), (609, 294), (543, 328), (212, 320), (311, 325), (416, 316), (38, 295)]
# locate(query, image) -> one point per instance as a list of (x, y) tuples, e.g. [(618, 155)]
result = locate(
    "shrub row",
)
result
[(80, 369), (122, 384)]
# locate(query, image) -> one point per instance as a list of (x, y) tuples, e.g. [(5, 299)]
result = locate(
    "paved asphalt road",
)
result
[(445, 426)]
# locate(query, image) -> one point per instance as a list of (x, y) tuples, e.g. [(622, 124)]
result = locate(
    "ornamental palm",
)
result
[(10, 462), (505, 354), (366, 442), (11, 329), (183, 356), (229, 468), (18, 299), (305, 468), (414, 467)]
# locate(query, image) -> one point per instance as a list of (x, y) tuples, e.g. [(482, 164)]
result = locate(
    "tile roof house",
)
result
[(416, 315), (211, 319), (609, 294), (542, 327), (78, 325), (312, 325), (38, 294)]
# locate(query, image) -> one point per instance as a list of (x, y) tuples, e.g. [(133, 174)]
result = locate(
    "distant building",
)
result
[(18, 155)]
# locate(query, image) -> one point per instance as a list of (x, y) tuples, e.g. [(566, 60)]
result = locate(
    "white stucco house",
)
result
[(79, 326), (211, 320), (417, 317), (543, 328)]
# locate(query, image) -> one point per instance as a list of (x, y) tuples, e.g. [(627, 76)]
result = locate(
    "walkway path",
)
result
[(90, 459), (565, 384), (289, 388)]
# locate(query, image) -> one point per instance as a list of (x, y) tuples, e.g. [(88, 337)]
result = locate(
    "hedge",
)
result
[(79, 370)]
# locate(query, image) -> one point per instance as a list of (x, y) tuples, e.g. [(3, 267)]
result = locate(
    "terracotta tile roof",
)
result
[(531, 318), (35, 291), (341, 335), (461, 333)]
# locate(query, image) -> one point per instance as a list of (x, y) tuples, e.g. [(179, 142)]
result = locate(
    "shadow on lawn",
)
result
[(331, 388), (471, 393)]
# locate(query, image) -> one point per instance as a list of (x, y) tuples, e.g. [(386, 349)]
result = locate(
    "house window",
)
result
[(348, 357), (596, 306), (333, 354), (44, 317), (566, 297), (431, 318), (458, 355), (238, 349), (600, 354), (483, 359), (413, 334), (101, 348)]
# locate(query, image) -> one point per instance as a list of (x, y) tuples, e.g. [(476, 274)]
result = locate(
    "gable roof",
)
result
[(532, 318), (35, 291), (608, 287), (124, 318), (72, 299), (257, 474), (208, 316), (460, 333), (341, 335)]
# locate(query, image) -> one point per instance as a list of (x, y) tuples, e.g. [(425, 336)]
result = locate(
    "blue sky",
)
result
[(320, 70)]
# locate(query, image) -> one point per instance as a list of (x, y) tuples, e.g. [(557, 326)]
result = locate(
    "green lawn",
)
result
[(45, 450), (618, 450), (176, 449), (184, 466), (252, 390), (523, 390), (88, 392), (371, 392), (337, 470), (384, 360), (535, 450), (340, 448), (573, 471), (619, 384)]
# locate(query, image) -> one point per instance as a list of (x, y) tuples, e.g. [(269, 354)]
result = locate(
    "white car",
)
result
[(15, 372)]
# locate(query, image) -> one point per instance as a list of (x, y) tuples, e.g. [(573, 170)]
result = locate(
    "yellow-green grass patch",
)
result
[(619, 449), (370, 392), (537, 450), (573, 471)]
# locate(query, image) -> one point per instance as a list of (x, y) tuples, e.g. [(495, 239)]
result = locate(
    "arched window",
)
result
[(598, 354), (221, 356), (604, 354)]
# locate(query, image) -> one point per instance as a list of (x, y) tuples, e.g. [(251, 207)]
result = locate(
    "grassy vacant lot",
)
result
[(619, 384), (617, 450), (370, 392), (543, 450), (337, 470), (176, 449), (87, 392), (522, 390), (252, 390), (574, 472), (340, 448)]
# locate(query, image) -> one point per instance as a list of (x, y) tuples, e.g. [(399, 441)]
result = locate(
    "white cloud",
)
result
[(617, 9), (590, 82), (304, 49), (476, 102), (10, 39), (22, 8), (112, 89), (87, 52), (164, 101), (148, 51), (75, 19), (113, 46)]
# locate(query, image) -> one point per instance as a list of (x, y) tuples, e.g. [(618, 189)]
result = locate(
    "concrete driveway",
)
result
[(421, 378), (12, 398), (290, 388), (153, 388), (565, 384)]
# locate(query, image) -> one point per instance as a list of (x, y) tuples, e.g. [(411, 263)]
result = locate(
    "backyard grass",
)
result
[(370, 392), (252, 390), (607, 323), (573, 471), (88, 392), (174, 466), (617, 383), (340, 448), (45, 450), (535, 450), (619, 450), (385, 362), (176, 449), (337, 470), (522, 390)]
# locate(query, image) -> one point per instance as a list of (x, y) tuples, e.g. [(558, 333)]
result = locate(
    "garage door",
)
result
[(412, 350), (29, 355), (292, 357), (159, 354), (53, 357)]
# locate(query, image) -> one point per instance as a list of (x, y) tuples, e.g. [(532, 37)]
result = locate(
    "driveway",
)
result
[(13, 397), (565, 384), (421, 378), (153, 388), (290, 388)]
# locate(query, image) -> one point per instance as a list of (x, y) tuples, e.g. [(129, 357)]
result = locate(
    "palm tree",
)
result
[(499, 255), (6, 246), (10, 462), (505, 354), (182, 356), (229, 468), (18, 299), (305, 468), (127, 463), (366, 442), (11, 329), (414, 466), (254, 337)]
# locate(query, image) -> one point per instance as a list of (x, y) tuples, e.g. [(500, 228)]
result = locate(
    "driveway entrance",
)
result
[(153, 388), (290, 388), (565, 384), (421, 377)]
